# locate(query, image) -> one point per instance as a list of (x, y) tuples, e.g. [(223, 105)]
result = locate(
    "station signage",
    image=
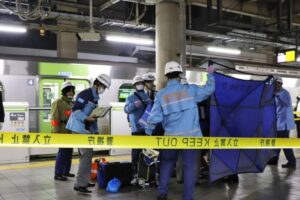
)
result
[(286, 56)]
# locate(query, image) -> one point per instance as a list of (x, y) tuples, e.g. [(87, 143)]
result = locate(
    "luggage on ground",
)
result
[(109, 170)]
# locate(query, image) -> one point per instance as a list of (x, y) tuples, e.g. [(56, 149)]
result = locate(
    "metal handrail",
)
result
[(39, 108)]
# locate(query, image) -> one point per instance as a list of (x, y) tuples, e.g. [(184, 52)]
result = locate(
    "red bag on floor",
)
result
[(95, 167)]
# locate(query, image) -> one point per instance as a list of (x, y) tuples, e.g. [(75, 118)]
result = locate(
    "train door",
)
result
[(49, 89), (49, 92)]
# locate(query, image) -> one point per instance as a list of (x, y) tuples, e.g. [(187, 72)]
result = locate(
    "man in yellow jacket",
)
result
[(60, 113)]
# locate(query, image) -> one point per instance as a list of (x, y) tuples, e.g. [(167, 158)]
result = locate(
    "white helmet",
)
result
[(137, 79), (104, 79), (148, 77), (67, 84), (172, 66)]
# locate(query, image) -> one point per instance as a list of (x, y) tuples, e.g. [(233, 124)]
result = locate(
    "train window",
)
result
[(125, 90)]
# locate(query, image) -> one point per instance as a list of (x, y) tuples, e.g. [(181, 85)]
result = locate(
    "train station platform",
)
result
[(34, 181)]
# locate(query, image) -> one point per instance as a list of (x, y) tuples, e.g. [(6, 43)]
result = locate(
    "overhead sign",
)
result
[(287, 56)]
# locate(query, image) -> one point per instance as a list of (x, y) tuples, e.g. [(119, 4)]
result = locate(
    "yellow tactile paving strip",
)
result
[(52, 163), (75, 161)]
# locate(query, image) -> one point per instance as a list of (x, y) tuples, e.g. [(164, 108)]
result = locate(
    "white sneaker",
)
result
[(134, 181), (141, 182)]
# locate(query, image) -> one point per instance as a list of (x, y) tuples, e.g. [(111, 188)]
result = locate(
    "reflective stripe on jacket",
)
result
[(136, 112), (176, 107)]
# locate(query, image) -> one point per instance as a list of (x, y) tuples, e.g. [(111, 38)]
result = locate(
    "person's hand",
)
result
[(211, 69), (91, 118), (148, 131)]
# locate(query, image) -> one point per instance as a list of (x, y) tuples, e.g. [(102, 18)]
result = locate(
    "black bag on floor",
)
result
[(109, 170), (146, 172)]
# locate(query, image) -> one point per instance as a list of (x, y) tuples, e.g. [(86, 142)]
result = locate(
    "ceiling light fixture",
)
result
[(131, 40), (252, 48), (12, 29), (224, 50)]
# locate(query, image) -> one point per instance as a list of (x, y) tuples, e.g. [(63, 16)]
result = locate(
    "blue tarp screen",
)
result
[(241, 108)]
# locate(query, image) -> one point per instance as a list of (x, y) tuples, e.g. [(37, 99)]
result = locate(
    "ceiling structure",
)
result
[(258, 28)]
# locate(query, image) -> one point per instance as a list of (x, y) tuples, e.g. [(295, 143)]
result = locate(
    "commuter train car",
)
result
[(38, 84)]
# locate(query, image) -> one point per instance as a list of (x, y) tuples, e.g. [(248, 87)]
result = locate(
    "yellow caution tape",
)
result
[(49, 140)]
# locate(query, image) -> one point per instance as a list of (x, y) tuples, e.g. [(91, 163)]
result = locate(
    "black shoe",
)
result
[(69, 175), (273, 161), (162, 197), (91, 185), (288, 165), (231, 179), (60, 178), (81, 189)]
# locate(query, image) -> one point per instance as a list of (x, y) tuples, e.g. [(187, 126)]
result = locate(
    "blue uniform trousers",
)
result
[(63, 161), (168, 161)]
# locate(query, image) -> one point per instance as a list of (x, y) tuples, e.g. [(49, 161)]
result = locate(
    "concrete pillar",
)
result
[(167, 38), (67, 45), (67, 41), (182, 31)]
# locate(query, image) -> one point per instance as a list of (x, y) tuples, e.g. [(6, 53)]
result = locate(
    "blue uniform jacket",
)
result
[(135, 113), (86, 101), (176, 107), (284, 111)]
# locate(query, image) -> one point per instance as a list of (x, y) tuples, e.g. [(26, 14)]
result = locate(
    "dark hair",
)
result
[(173, 75), (148, 81), (96, 82), (67, 89)]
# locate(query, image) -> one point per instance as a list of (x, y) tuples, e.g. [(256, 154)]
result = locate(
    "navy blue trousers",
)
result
[(289, 153), (135, 154), (168, 161), (63, 161), (135, 159)]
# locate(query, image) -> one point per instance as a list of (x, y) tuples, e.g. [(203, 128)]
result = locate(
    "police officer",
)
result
[(135, 107), (285, 120), (176, 107), (60, 113), (158, 131), (81, 122)]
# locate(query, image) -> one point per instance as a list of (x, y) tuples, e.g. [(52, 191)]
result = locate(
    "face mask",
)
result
[(140, 87), (100, 90), (70, 97)]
